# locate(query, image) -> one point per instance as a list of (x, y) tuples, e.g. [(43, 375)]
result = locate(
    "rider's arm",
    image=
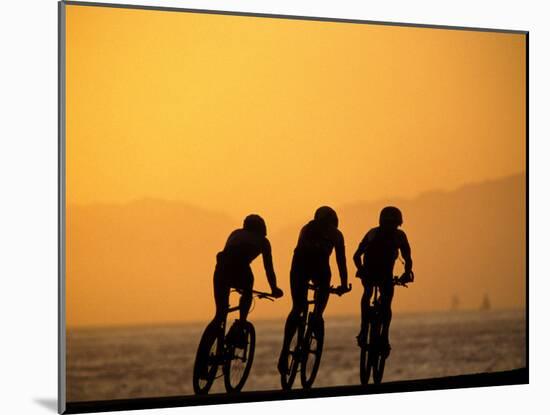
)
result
[(268, 264), (357, 256), (360, 251), (406, 252), (340, 249)]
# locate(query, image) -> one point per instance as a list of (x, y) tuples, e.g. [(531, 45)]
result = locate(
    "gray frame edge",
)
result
[(290, 17), (61, 312)]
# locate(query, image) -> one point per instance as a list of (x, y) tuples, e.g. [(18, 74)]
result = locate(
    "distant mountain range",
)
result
[(152, 260), (466, 244), (143, 261)]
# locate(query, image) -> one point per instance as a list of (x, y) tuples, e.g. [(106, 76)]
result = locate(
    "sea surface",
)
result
[(157, 361)]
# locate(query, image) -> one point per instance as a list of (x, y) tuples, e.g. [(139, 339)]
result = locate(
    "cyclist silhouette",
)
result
[(233, 268), (375, 258), (310, 262)]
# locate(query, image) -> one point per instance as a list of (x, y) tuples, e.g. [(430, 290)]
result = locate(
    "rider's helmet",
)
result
[(326, 215), (391, 216), (255, 223)]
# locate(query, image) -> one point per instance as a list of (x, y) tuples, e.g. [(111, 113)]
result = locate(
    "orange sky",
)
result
[(242, 114)]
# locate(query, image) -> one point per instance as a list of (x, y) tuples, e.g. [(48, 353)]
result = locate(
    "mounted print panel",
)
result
[(248, 201)]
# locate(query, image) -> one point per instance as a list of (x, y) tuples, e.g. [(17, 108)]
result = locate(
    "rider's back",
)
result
[(381, 248), (314, 247), (243, 246), (316, 240)]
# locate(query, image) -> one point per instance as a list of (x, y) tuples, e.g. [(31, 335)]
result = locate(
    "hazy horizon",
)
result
[(143, 280), (332, 318)]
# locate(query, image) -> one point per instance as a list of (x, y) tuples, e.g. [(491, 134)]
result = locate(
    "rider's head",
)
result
[(327, 216), (391, 217), (255, 223)]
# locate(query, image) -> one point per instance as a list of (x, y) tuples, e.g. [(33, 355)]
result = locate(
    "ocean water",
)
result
[(135, 362)]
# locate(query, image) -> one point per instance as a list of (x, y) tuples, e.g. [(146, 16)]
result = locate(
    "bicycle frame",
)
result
[(305, 332), (313, 302), (308, 314), (255, 294), (376, 302), (374, 328), (224, 352)]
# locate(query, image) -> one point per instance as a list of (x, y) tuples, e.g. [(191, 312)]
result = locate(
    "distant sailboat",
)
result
[(455, 302), (485, 304)]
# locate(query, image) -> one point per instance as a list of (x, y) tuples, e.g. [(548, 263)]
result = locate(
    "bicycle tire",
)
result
[(364, 367), (373, 347), (315, 333), (376, 360), (379, 358), (208, 353), (378, 371), (293, 359), (237, 366)]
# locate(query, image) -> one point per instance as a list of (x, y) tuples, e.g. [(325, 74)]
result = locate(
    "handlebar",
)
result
[(263, 294), (332, 290), (397, 281), (258, 294), (340, 290)]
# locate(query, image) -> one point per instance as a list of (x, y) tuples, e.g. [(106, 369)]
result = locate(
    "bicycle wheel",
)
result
[(379, 361), (364, 367), (379, 368), (239, 361), (293, 359), (206, 361), (376, 358), (312, 351)]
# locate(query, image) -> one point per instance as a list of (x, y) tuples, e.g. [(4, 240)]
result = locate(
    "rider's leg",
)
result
[(221, 296), (292, 322), (365, 301), (319, 271), (298, 291), (323, 293), (244, 305), (242, 279), (386, 296), (246, 297)]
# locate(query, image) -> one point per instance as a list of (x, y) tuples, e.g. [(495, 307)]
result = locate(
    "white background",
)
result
[(28, 189)]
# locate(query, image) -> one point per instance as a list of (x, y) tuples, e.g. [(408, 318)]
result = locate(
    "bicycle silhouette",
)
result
[(306, 345), (373, 356), (217, 349)]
